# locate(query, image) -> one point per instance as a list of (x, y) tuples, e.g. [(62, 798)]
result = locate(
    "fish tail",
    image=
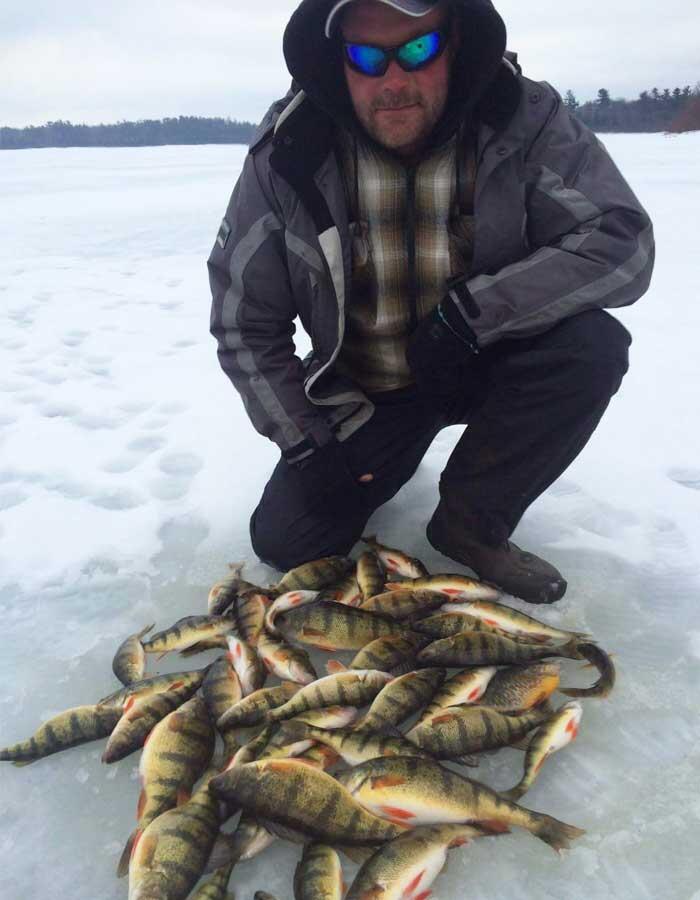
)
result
[(603, 663), (571, 649), (144, 631), (553, 832), (14, 753), (125, 858), (514, 794)]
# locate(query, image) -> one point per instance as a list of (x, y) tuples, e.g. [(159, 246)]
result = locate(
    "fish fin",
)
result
[(141, 804), (555, 833), (144, 631), (295, 728), (522, 743), (397, 814), (471, 761), (334, 666), (494, 826), (123, 866), (514, 794), (147, 846), (358, 855), (282, 831), (183, 796), (423, 895)]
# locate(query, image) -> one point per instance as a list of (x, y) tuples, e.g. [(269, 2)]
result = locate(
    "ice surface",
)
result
[(128, 471)]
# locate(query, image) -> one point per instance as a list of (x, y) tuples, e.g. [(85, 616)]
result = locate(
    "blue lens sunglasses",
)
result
[(413, 55)]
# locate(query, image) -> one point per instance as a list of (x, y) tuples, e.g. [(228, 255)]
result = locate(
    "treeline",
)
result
[(667, 110), (144, 133)]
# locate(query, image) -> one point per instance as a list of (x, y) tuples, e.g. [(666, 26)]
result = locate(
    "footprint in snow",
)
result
[(58, 410), (689, 478), (147, 444), (118, 500), (74, 338), (134, 454), (179, 469)]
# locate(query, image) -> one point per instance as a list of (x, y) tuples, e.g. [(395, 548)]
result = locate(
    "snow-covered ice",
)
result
[(128, 471)]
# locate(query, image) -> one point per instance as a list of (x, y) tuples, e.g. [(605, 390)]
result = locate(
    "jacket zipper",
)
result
[(411, 248)]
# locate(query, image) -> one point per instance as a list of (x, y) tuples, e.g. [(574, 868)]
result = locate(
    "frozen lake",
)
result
[(128, 471)]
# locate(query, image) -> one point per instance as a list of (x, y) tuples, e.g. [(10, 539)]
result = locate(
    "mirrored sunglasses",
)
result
[(411, 56)]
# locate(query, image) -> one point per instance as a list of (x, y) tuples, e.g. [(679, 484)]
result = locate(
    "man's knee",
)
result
[(284, 547), (269, 544), (598, 351)]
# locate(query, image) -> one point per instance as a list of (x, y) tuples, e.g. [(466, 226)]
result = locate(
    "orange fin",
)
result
[(334, 667), (123, 867)]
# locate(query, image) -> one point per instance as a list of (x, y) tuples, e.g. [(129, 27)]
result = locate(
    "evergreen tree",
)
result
[(603, 98), (571, 102)]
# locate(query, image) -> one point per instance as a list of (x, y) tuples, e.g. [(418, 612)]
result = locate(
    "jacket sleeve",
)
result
[(592, 242), (252, 319)]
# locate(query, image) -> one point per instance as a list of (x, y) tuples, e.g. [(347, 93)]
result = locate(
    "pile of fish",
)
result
[(321, 760)]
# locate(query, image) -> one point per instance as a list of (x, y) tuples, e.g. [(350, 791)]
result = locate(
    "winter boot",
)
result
[(480, 541)]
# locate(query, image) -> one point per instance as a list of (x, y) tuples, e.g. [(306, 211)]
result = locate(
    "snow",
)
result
[(128, 471)]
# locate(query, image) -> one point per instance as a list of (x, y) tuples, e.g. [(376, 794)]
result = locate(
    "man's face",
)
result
[(400, 109)]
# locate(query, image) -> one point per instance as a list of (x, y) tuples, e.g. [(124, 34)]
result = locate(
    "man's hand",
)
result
[(442, 349), (326, 478)]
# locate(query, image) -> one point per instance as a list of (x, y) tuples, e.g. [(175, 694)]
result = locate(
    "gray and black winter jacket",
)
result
[(558, 229)]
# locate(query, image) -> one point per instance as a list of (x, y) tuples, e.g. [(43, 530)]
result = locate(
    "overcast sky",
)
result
[(88, 61)]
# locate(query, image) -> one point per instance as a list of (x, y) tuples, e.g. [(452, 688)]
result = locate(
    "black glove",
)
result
[(326, 480), (443, 347)]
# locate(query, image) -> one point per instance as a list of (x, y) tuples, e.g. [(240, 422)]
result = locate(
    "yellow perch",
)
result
[(252, 710), (188, 631), (464, 688), (518, 688), (405, 868), (457, 731), (71, 728), (456, 587), (286, 662), (334, 626), (401, 605), (129, 664), (396, 562), (177, 752), (370, 575), (139, 690), (319, 876), (304, 799), (350, 688), (315, 575), (170, 855), (556, 734), (139, 718), (421, 792), (512, 620)]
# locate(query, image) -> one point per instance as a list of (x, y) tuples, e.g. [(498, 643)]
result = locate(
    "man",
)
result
[(448, 236)]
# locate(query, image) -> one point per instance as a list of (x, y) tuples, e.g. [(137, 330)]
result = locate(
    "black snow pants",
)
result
[(530, 404)]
